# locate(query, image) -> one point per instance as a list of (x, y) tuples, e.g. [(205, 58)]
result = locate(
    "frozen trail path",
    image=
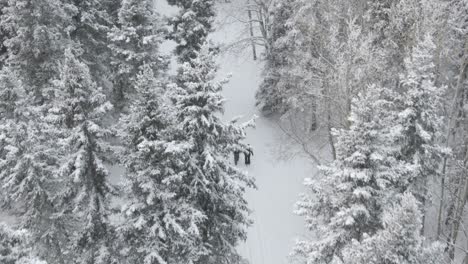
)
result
[(275, 228)]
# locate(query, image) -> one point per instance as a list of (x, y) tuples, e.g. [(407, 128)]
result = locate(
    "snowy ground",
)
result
[(279, 182)]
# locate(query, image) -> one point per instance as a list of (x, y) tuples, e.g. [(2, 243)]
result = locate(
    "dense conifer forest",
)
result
[(371, 93)]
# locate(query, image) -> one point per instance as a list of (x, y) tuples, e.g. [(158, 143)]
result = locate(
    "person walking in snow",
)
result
[(247, 154), (236, 156)]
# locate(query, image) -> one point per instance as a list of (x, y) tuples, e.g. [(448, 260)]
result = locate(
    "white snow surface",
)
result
[(272, 236)]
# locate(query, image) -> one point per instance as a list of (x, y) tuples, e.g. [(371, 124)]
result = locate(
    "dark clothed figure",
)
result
[(236, 156), (247, 154)]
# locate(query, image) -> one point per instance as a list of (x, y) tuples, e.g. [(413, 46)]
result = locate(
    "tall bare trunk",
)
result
[(456, 104), (313, 121), (462, 189), (466, 249), (458, 215), (329, 120), (330, 136), (249, 13), (441, 201), (262, 15)]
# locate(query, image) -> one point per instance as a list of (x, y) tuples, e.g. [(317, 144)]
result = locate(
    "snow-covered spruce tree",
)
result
[(84, 198), (28, 185), (134, 43), (14, 247), (160, 223), (35, 40), (270, 96), (420, 119), (4, 35), (92, 21), (397, 27), (348, 200), (209, 181), (27, 162), (11, 101), (12, 94), (191, 26), (400, 241)]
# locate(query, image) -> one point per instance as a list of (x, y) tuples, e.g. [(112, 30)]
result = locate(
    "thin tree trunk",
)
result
[(254, 51), (466, 249), (424, 206), (458, 217), (329, 123), (330, 136), (263, 30), (442, 196), (313, 125), (450, 131), (462, 193)]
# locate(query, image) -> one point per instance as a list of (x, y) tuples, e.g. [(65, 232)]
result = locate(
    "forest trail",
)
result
[(271, 238)]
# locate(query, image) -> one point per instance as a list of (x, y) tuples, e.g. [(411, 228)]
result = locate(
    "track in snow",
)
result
[(271, 237), (275, 228)]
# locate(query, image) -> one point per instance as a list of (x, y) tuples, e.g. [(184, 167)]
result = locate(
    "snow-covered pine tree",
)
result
[(399, 241), (85, 193), (14, 247), (209, 181), (35, 40), (191, 26), (27, 163), (134, 43), (270, 96), (4, 35), (396, 27), (92, 21), (28, 185), (11, 98), (12, 94), (420, 119), (347, 202), (160, 224)]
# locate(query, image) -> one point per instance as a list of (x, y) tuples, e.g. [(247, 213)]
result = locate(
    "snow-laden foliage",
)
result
[(134, 43), (270, 96), (321, 57), (420, 118), (348, 204), (160, 223), (12, 94), (28, 159), (4, 34), (209, 181), (92, 21), (85, 195), (35, 40), (61, 62), (191, 26), (14, 248), (399, 241), (347, 200)]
